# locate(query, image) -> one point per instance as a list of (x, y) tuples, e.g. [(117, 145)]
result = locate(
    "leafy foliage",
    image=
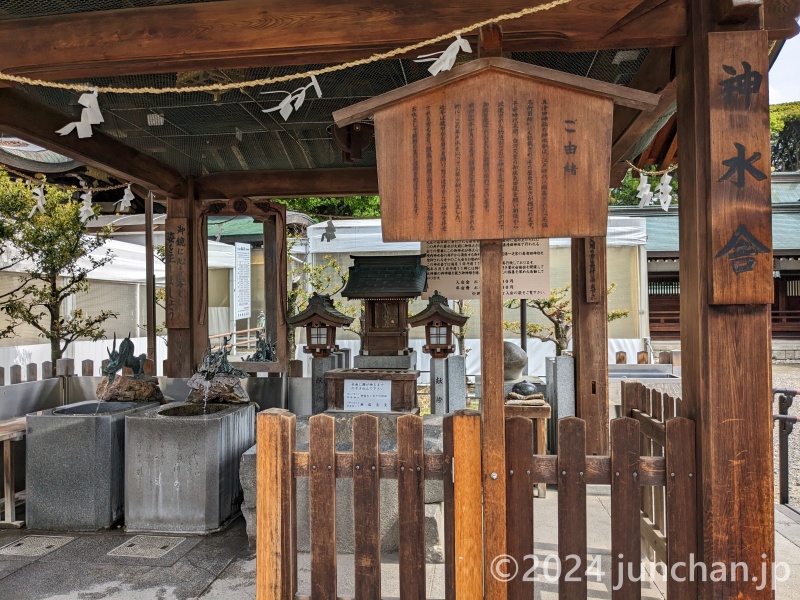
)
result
[(348, 206), (557, 309), (465, 308), (58, 251), (784, 126)]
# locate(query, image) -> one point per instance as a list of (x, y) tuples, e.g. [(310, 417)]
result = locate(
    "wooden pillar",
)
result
[(493, 415), (726, 291), (275, 258), (186, 320), (590, 339)]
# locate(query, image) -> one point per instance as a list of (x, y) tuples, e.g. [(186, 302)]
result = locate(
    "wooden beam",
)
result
[(254, 33), (735, 12), (296, 183), (37, 123), (490, 41), (724, 337)]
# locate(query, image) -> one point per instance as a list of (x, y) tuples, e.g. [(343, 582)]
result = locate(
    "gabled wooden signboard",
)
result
[(494, 149)]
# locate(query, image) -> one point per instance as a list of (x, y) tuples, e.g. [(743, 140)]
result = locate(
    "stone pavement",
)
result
[(222, 567)]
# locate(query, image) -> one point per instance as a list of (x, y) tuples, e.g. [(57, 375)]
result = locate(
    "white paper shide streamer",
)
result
[(90, 115), (38, 193), (665, 191), (87, 212), (293, 100), (645, 195), (444, 60), (125, 202)]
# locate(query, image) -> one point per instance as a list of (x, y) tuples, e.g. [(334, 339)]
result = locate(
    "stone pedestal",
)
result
[(320, 366), (401, 361), (75, 465), (182, 466), (456, 383), (338, 359), (438, 387), (347, 357), (560, 393), (403, 389)]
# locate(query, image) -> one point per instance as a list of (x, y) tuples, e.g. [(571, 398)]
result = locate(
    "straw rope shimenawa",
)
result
[(222, 87), (69, 188), (669, 169)]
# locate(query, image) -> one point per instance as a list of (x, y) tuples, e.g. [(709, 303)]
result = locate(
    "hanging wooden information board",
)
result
[(495, 149), (177, 276)]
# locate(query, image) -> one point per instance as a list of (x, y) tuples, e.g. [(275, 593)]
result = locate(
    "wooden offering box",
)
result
[(372, 390)]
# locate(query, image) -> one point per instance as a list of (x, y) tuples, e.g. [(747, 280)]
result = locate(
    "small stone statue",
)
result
[(124, 358), (265, 349)]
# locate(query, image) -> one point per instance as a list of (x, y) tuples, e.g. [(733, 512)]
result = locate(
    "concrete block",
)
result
[(320, 366), (182, 470), (347, 353), (75, 465), (456, 383), (403, 361), (438, 386), (300, 394), (247, 478), (338, 360), (65, 367)]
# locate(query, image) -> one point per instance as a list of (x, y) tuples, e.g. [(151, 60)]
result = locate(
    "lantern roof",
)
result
[(437, 310), (621, 95), (384, 277), (320, 308)]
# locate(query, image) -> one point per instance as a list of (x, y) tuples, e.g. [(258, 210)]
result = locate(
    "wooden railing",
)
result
[(628, 473), (244, 338)]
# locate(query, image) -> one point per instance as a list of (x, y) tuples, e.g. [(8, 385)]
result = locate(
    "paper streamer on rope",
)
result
[(125, 201), (644, 195), (444, 60), (38, 193), (293, 100), (90, 115), (87, 211), (665, 191)]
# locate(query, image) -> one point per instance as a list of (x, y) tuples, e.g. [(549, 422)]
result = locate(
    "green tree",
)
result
[(557, 310), (347, 206), (625, 194), (784, 126), (57, 248)]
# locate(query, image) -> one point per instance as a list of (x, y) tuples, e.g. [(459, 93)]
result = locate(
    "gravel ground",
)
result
[(787, 376)]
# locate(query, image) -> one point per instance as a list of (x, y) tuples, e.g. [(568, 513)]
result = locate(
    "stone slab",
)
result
[(456, 383), (182, 473), (407, 361), (347, 353), (75, 465), (438, 386)]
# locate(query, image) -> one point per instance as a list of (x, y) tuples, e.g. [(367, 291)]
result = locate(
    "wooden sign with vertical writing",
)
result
[(177, 273), (739, 200), (595, 286)]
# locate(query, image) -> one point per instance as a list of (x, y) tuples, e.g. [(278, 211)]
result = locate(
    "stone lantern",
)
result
[(321, 320), (438, 319)]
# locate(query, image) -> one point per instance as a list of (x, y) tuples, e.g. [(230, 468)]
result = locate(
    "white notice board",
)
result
[(369, 395), (454, 268), (241, 281)]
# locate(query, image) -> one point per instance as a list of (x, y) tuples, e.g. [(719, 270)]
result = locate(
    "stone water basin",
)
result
[(75, 457), (182, 467)]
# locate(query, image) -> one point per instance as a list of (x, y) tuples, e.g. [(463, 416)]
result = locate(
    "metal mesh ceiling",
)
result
[(198, 134), (21, 9)]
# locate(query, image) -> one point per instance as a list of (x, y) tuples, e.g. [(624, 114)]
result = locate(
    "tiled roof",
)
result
[(386, 277)]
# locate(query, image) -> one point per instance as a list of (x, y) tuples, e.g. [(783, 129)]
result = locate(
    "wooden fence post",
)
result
[(519, 501), (572, 507), (462, 503), (87, 367), (367, 507), (681, 507), (32, 372), (411, 506), (626, 540), (276, 550), (622, 357), (322, 503)]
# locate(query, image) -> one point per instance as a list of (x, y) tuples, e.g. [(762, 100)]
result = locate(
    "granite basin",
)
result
[(182, 466), (75, 457)]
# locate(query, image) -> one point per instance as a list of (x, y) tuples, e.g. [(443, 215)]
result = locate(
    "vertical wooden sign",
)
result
[(739, 194), (595, 285), (177, 273)]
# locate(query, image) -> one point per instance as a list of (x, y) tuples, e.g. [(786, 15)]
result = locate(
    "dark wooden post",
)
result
[(590, 339), (150, 282), (726, 290), (186, 275), (493, 415)]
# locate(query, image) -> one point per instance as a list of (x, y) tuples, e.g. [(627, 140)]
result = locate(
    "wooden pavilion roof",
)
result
[(228, 144)]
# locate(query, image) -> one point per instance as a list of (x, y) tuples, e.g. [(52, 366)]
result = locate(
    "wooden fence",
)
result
[(627, 471)]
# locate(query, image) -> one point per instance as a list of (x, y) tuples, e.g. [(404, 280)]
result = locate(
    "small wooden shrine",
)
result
[(386, 284)]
